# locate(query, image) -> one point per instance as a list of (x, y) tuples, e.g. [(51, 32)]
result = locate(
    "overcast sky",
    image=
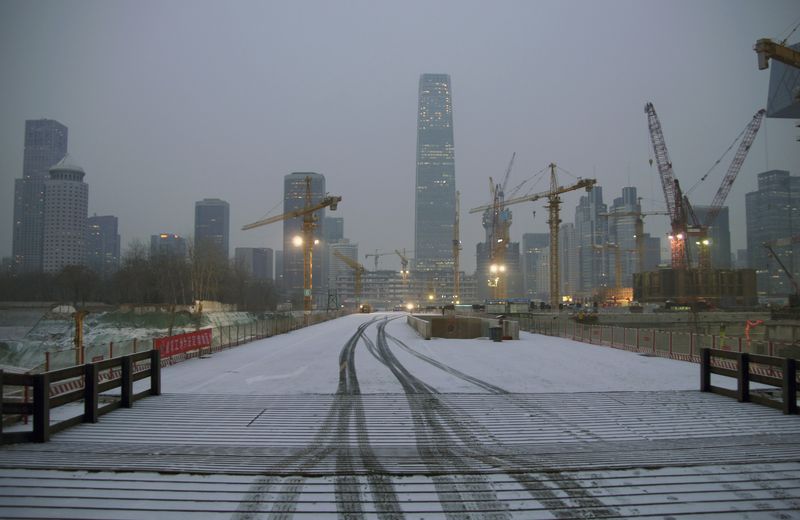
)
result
[(171, 102)]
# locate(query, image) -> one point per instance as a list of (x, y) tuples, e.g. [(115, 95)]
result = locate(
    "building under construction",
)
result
[(721, 288)]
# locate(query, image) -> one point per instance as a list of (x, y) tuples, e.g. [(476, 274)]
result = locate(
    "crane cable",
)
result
[(716, 163)]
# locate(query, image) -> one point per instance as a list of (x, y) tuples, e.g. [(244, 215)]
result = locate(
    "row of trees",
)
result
[(205, 274)]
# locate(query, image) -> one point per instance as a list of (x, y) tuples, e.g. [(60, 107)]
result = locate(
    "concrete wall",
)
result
[(460, 327), (423, 327)]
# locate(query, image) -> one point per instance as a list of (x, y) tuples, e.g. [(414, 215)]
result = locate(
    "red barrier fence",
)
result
[(182, 343)]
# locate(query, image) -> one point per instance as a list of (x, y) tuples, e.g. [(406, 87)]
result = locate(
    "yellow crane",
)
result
[(377, 254), (456, 251), (309, 223), (768, 49), (554, 208), (358, 269)]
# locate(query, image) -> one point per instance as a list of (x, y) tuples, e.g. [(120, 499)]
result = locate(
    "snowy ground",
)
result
[(304, 361), (361, 418)]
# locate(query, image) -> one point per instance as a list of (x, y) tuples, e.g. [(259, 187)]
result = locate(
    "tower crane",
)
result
[(377, 254), (497, 221), (554, 207), (309, 224), (768, 49), (457, 250), (683, 221), (358, 270), (403, 263)]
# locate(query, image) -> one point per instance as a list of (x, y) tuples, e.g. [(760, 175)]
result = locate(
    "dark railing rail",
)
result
[(783, 370), (119, 372)]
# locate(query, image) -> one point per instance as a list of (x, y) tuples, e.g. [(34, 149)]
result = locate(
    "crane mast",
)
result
[(456, 251), (309, 224), (553, 206), (358, 270)]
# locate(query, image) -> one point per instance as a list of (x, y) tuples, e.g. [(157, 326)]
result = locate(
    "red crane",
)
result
[(682, 217)]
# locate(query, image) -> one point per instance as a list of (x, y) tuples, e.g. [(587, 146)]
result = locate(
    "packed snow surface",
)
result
[(307, 361)]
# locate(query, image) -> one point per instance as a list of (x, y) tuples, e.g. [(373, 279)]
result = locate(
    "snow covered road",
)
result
[(360, 417)]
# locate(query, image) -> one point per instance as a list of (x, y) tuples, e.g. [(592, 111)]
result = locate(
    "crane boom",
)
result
[(309, 223), (358, 269), (736, 165), (582, 183), (766, 49), (331, 201)]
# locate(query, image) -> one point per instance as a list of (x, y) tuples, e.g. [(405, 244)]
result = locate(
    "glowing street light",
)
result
[(297, 241)]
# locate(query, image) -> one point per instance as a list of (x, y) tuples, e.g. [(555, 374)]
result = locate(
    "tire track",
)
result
[(332, 440), (445, 423)]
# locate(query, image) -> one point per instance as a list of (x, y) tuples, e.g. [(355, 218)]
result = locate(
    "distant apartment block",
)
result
[(168, 244)]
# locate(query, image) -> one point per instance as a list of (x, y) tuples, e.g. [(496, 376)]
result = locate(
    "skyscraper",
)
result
[(773, 213), (103, 245), (168, 244), (294, 198), (591, 233), (45, 145), (536, 263), (66, 205), (435, 193), (212, 224), (256, 261)]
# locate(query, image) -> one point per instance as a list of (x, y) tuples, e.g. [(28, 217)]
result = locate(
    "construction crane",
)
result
[(768, 49), (403, 264), (377, 254), (638, 229), (497, 222), (554, 207), (309, 224), (683, 221), (457, 250), (358, 271)]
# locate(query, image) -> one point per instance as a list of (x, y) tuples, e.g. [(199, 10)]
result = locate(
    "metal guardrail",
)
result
[(741, 371), (123, 371)]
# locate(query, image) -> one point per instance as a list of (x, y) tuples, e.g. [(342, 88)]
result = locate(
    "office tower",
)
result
[(334, 228), (279, 270), (45, 145), (103, 245), (66, 205), (591, 234), (435, 194), (773, 213), (622, 217), (295, 186), (256, 261), (719, 235), (568, 260), (212, 224), (741, 259), (652, 252), (168, 244), (536, 260)]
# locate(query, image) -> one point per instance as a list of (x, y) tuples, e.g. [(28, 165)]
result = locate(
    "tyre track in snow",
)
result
[(475, 495), (332, 440), (446, 423)]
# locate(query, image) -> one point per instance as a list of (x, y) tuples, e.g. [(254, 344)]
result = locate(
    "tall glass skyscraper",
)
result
[(45, 145), (212, 224), (435, 196)]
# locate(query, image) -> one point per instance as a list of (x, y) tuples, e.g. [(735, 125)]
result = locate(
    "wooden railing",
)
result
[(783, 370), (120, 372)]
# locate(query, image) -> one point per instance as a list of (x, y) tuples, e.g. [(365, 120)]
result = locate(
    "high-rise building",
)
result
[(279, 270), (295, 186), (568, 260), (167, 244), (591, 234), (334, 228), (435, 192), (256, 261), (535, 264), (773, 213), (652, 252), (622, 218), (66, 205), (45, 145), (212, 224), (103, 245)]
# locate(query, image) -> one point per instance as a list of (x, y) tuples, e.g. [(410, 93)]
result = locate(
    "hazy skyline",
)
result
[(168, 103)]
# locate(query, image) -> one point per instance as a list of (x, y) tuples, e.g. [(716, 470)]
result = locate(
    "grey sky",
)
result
[(171, 102)]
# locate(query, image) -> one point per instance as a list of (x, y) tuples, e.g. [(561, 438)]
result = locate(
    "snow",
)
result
[(303, 361)]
